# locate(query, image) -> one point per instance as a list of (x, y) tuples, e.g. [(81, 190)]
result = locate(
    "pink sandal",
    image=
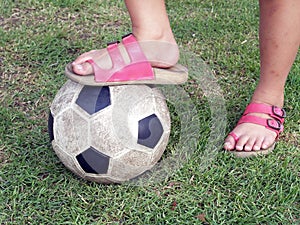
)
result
[(275, 124), (138, 71)]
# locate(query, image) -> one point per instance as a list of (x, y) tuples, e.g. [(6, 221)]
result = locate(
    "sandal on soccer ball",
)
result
[(138, 71), (275, 123)]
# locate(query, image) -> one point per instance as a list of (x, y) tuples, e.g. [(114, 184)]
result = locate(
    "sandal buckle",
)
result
[(274, 124), (278, 112)]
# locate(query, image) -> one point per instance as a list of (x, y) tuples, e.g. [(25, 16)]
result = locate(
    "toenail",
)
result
[(239, 148), (79, 67), (247, 148), (256, 148), (227, 146)]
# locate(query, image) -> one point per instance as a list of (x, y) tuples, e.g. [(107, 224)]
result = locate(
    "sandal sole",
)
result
[(176, 74), (246, 154)]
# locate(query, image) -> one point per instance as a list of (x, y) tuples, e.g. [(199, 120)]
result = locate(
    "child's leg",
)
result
[(279, 42), (151, 27)]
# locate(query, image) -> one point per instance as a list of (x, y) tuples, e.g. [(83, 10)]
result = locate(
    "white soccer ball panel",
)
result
[(65, 97), (71, 131), (100, 178), (135, 158), (103, 134), (120, 171)]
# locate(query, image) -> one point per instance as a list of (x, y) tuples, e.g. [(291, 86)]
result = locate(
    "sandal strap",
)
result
[(135, 54), (133, 49), (102, 75), (275, 123), (115, 55), (271, 124), (273, 111)]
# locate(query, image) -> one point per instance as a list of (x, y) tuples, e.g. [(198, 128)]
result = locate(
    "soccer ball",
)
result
[(109, 134)]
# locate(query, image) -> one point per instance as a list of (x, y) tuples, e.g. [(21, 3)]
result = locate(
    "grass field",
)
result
[(38, 38)]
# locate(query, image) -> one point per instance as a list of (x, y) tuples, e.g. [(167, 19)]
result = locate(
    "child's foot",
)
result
[(161, 52), (249, 137)]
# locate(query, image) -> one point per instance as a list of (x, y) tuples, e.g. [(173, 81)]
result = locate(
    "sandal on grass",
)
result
[(275, 123), (138, 71)]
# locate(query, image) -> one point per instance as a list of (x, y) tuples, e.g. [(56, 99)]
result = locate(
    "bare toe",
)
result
[(229, 143), (241, 143), (81, 67), (249, 144), (258, 144)]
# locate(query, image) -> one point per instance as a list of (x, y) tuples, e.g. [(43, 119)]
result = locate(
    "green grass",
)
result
[(38, 38)]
